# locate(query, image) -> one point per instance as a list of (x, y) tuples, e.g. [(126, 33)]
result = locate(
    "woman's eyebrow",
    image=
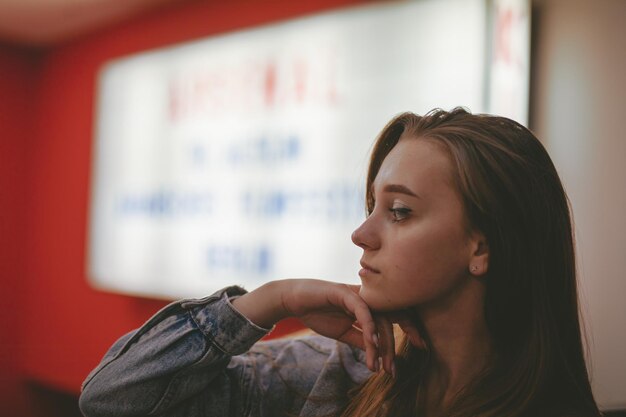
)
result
[(397, 188)]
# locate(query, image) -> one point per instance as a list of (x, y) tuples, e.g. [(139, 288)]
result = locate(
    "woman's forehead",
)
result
[(415, 162)]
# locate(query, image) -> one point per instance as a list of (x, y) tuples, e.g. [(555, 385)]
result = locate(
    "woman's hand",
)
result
[(384, 323), (328, 308), (331, 309)]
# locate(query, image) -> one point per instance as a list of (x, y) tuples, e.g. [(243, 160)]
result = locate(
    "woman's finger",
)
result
[(354, 288), (356, 306), (369, 336), (353, 337), (387, 348)]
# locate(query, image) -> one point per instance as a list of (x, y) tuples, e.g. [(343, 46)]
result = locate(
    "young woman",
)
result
[(467, 247)]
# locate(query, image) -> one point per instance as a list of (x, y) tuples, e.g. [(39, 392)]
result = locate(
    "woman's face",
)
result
[(416, 246)]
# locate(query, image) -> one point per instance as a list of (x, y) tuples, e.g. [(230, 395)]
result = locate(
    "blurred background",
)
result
[(65, 301)]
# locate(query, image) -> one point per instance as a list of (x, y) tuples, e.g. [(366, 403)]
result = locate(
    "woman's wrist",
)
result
[(263, 306)]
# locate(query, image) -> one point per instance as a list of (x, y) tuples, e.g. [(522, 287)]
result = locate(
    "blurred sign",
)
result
[(241, 158), (509, 69)]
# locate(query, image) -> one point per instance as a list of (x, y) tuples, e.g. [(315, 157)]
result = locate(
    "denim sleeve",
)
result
[(176, 363)]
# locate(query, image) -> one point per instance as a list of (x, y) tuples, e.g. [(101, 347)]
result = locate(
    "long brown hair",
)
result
[(513, 195)]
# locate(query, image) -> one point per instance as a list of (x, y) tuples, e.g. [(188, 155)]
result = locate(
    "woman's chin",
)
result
[(376, 300)]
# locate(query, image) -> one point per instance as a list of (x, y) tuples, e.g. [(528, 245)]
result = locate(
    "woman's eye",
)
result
[(399, 213)]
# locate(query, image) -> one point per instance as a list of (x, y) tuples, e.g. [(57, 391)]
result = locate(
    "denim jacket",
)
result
[(202, 357)]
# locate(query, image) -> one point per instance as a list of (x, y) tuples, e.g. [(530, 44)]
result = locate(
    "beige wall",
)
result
[(578, 108)]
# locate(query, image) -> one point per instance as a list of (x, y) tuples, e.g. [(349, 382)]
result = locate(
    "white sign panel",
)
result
[(509, 69), (241, 158)]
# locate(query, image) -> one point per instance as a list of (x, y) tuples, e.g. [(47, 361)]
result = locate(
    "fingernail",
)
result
[(375, 339)]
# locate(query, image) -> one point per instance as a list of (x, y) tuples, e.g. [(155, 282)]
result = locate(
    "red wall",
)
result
[(60, 325), (17, 75)]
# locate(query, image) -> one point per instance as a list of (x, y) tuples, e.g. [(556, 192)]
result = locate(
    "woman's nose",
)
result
[(364, 236)]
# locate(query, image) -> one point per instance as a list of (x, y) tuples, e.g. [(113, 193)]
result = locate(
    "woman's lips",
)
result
[(367, 270)]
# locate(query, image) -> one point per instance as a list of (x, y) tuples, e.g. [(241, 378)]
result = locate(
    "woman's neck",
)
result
[(460, 342)]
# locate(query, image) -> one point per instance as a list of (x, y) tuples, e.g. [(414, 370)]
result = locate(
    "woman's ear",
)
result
[(479, 259)]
